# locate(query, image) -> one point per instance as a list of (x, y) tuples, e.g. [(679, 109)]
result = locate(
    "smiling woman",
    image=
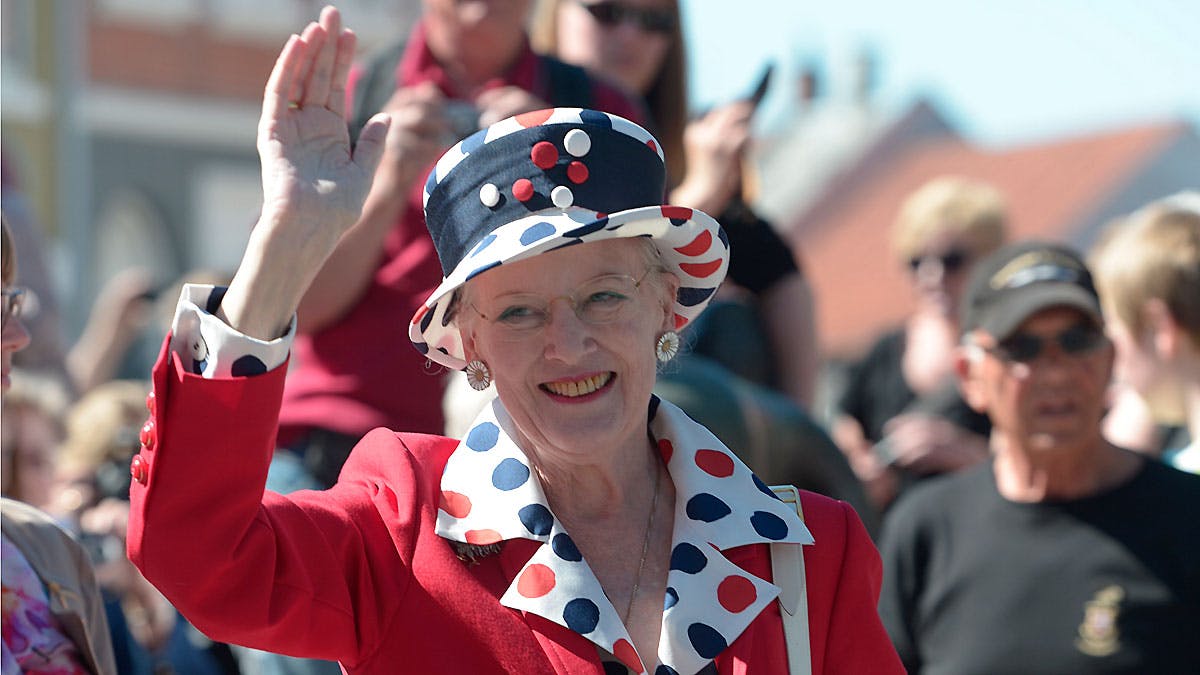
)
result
[(565, 280)]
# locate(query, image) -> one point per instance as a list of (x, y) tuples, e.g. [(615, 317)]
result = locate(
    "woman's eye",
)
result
[(519, 314), (605, 297)]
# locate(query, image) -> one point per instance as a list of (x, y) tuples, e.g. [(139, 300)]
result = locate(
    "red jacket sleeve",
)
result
[(295, 574)]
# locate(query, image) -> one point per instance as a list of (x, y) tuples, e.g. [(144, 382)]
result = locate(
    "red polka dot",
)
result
[(650, 143), (482, 537), (715, 463), (420, 313), (543, 154), (700, 270), (577, 172), (680, 321), (532, 119), (522, 189), (536, 581), (455, 504), (699, 245), (736, 594), (628, 655), (601, 214), (677, 212), (665, 449)]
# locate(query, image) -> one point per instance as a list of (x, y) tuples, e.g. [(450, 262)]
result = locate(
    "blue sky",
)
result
[(1004, 72)]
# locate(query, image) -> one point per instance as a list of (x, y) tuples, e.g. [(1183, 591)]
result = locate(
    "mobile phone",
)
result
[(763, 83)]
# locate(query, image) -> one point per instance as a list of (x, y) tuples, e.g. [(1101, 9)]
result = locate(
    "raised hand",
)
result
[(314, 183)]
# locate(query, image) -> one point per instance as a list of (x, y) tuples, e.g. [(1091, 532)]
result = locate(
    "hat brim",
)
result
[(1012, 311), (690, 242)]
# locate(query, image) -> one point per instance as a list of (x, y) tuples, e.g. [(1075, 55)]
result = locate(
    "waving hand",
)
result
[(314, 183)]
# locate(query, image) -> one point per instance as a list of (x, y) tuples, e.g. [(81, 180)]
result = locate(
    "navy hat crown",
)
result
[(549, 159)]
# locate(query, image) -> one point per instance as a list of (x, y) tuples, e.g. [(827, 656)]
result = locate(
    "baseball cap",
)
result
[(1019, 280)]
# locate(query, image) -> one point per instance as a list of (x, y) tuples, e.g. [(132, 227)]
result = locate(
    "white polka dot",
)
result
[(489, 194), (562, 197), (577, 142)]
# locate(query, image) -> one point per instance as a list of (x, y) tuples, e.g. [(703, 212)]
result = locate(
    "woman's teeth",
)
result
[(579, 387)]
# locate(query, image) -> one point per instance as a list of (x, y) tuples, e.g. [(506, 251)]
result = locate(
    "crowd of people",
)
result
[(383, 445)]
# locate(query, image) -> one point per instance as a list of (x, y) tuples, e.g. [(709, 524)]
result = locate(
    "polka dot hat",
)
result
[(552, 178)]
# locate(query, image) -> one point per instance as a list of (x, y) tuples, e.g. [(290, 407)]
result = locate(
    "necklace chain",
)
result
[(637, 580)]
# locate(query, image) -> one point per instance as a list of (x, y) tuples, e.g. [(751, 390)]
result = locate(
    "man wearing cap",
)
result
[(1064, 553)]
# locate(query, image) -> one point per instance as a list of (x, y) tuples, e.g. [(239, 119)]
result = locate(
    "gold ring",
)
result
[(294, 105)]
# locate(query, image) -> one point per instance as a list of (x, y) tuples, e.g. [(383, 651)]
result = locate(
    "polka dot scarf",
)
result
[(489, 494)]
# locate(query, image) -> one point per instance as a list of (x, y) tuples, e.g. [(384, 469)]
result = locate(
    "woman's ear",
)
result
[(671, 291), (1161, 329)]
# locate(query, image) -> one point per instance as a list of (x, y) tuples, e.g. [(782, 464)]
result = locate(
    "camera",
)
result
[(463, 117)]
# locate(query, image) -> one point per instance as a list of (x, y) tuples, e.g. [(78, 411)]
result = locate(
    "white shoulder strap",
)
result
[(787, 568)]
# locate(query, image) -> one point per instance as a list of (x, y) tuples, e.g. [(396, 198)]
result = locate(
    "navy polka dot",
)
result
[(536, 232), (585, 229), (595, 118), (483, 243), (677, 221), (565, 548), (480, 270), (483, 437), (247, 365), (707, 508), (671, 598), (615, 668), (665, 670), (687, 558), (690, 297), (426, 320), (536, 518), (723, 237), (431, 182), (762, 487), (510, 475), (769, 525), (421, 347), (706, 641), (581, 615)]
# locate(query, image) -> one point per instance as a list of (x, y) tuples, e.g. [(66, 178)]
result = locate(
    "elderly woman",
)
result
[(581, 526)]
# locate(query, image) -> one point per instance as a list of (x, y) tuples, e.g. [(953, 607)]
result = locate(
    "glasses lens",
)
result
[(604, 299), (954, 261), (1080, 340), (13, 300), (606, 13), (1021, 347)]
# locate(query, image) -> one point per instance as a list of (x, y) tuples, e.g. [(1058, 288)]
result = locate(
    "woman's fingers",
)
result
[(277, 94), (369, 148), (328, 36), (312, 37), (343, 58)]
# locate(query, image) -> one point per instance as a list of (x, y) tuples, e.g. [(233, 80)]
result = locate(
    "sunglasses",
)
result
[(1025, 347), (952, 261), (14, 298), (608, 13)]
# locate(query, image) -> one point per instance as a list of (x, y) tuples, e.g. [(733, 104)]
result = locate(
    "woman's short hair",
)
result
[(8, 257), (1152, 254), (950, 205)]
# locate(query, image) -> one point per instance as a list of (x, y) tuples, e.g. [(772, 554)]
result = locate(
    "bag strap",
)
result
[(787, 569)]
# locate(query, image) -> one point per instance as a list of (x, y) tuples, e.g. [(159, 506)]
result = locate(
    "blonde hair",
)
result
[(1152, 254), (104, 424), (666, 99), (951, 205)]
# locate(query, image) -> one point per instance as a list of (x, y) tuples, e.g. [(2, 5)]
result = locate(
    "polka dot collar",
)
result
[(489, 494)]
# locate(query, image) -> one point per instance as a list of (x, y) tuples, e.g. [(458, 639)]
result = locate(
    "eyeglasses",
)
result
[(14, 298), (609, 14), (604, 299), (1025, 347), (952, 261)]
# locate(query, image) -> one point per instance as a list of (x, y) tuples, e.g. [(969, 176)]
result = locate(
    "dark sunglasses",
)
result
[(952, 261), (1024, 347), (609, 14), (14, 298)]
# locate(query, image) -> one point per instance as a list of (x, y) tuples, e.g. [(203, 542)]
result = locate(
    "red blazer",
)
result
[(356, 574)]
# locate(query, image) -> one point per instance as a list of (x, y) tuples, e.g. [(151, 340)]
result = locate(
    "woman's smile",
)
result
[(577, 388)]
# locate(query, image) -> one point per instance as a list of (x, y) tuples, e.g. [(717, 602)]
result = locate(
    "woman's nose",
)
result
[(567, 337), (15, 336)]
